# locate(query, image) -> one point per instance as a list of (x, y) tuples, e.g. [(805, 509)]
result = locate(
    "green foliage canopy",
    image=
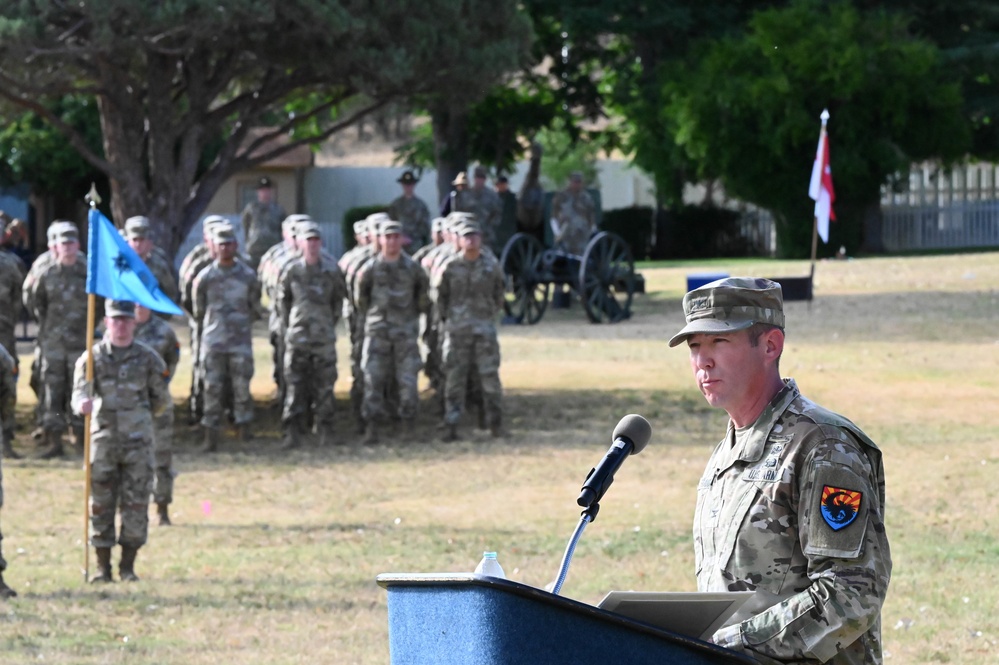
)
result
[(749, 112)]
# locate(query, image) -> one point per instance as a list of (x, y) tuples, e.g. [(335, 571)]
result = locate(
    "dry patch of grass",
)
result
[(273, 555)]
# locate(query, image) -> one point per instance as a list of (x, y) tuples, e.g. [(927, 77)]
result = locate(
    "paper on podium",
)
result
[(692, 614)]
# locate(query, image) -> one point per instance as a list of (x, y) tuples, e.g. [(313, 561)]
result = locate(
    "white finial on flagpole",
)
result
[(824, 116), (92, 197)]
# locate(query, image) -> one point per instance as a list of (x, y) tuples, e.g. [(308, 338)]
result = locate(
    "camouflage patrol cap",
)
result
[(307, 228), (389, 226), (223, 232), (437, 225), (137, 227), (360, 227), (120, 308), (213, 220), (377, 218), (480, 172), (63, 231), (468, 227), (291, 221), (729, 305)]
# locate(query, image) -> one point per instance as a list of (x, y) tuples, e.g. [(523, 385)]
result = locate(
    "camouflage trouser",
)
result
[(3, 563), (197, 388), (232, 370), (432, 367), (277, 354), (357, 375), (384, 358), (57, 387), (463, 355), (309, 375), (163, 457), (121, 479), (8, 337)]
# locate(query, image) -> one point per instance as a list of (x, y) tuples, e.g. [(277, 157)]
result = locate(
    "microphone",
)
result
[(631, 436)]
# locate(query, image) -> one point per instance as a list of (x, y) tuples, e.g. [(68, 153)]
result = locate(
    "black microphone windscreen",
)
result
[(636, 429)]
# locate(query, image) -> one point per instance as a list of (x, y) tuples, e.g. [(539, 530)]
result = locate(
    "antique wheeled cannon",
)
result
[(603, 277)]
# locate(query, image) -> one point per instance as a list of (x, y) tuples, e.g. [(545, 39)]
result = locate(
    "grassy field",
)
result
[(273, 556)]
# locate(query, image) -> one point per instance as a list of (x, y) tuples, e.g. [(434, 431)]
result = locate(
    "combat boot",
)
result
[(54, 450), (126, 567), (370, 434), (211, 444), (8, 450), (6, 591), (292, 437), (163, 510), (450, 433), (103, 566)]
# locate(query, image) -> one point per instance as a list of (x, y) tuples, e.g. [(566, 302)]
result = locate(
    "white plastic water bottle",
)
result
[(490, 566)]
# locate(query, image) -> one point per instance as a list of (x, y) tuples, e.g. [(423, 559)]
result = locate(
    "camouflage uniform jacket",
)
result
[(226, 303), (129, 388), (485, 204), (415, 218), (391, 295), (792, 508), (352, 267), (8, 393), (262, 225), (576, 218), (195, 261), (37, 269), (419, 254), (310, 299), (11, 282), (163, 273), (160, 337), (60, 305), (272, 264), (470, 294)]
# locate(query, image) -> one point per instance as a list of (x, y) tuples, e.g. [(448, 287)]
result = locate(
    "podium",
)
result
[(466, 619)]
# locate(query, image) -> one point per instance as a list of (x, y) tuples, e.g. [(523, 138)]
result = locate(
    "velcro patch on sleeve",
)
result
[(834, 512)]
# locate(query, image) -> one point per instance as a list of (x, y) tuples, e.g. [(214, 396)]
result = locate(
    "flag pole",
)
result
[(815, 220), (93, 199)]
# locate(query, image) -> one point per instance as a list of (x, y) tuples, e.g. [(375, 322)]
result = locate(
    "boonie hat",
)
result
[(730, 305), (460, 179), (137, 227), (122, 308)]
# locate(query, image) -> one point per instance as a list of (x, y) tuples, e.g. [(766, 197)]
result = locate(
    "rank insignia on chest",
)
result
[(840, 506)]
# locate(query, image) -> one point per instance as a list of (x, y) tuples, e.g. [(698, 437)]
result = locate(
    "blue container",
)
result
[(696, 280)]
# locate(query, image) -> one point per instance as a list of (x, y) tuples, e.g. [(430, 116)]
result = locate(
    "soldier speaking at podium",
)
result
[(791, 504)]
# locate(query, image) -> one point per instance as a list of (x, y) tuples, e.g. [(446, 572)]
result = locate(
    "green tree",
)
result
[(180, 85), (748, 113)]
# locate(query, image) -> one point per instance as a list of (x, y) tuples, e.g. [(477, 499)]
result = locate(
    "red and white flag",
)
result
[(820, 189)]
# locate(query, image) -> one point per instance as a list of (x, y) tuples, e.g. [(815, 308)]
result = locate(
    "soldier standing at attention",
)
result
[(791, 504), (226, 303), (60, 307), (391, 295), (469, 297), (129, 389), (199, 258), (137, 235), (8, 384), (485, 204), (157, 334), (11, 281), (272, 263), (262, 222), (412, 213), (574, 216), (310, 299), (436, 238)]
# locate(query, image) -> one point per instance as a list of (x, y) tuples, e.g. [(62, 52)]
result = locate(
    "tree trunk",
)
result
[(450, 125)]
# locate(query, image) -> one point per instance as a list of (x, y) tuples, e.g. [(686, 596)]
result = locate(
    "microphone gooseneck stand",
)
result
[(585, 518)]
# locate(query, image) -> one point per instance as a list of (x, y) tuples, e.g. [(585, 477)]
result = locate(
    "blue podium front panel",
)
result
[(479, 620)]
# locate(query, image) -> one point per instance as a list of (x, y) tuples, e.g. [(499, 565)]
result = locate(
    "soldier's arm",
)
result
[(82, 390), (285, 298), (172, 357), (849, 568), (199, 296), (257, 310), (422, 290), (499, 288), (8, 390), (337, 295), (156, 384), (363, 296)]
